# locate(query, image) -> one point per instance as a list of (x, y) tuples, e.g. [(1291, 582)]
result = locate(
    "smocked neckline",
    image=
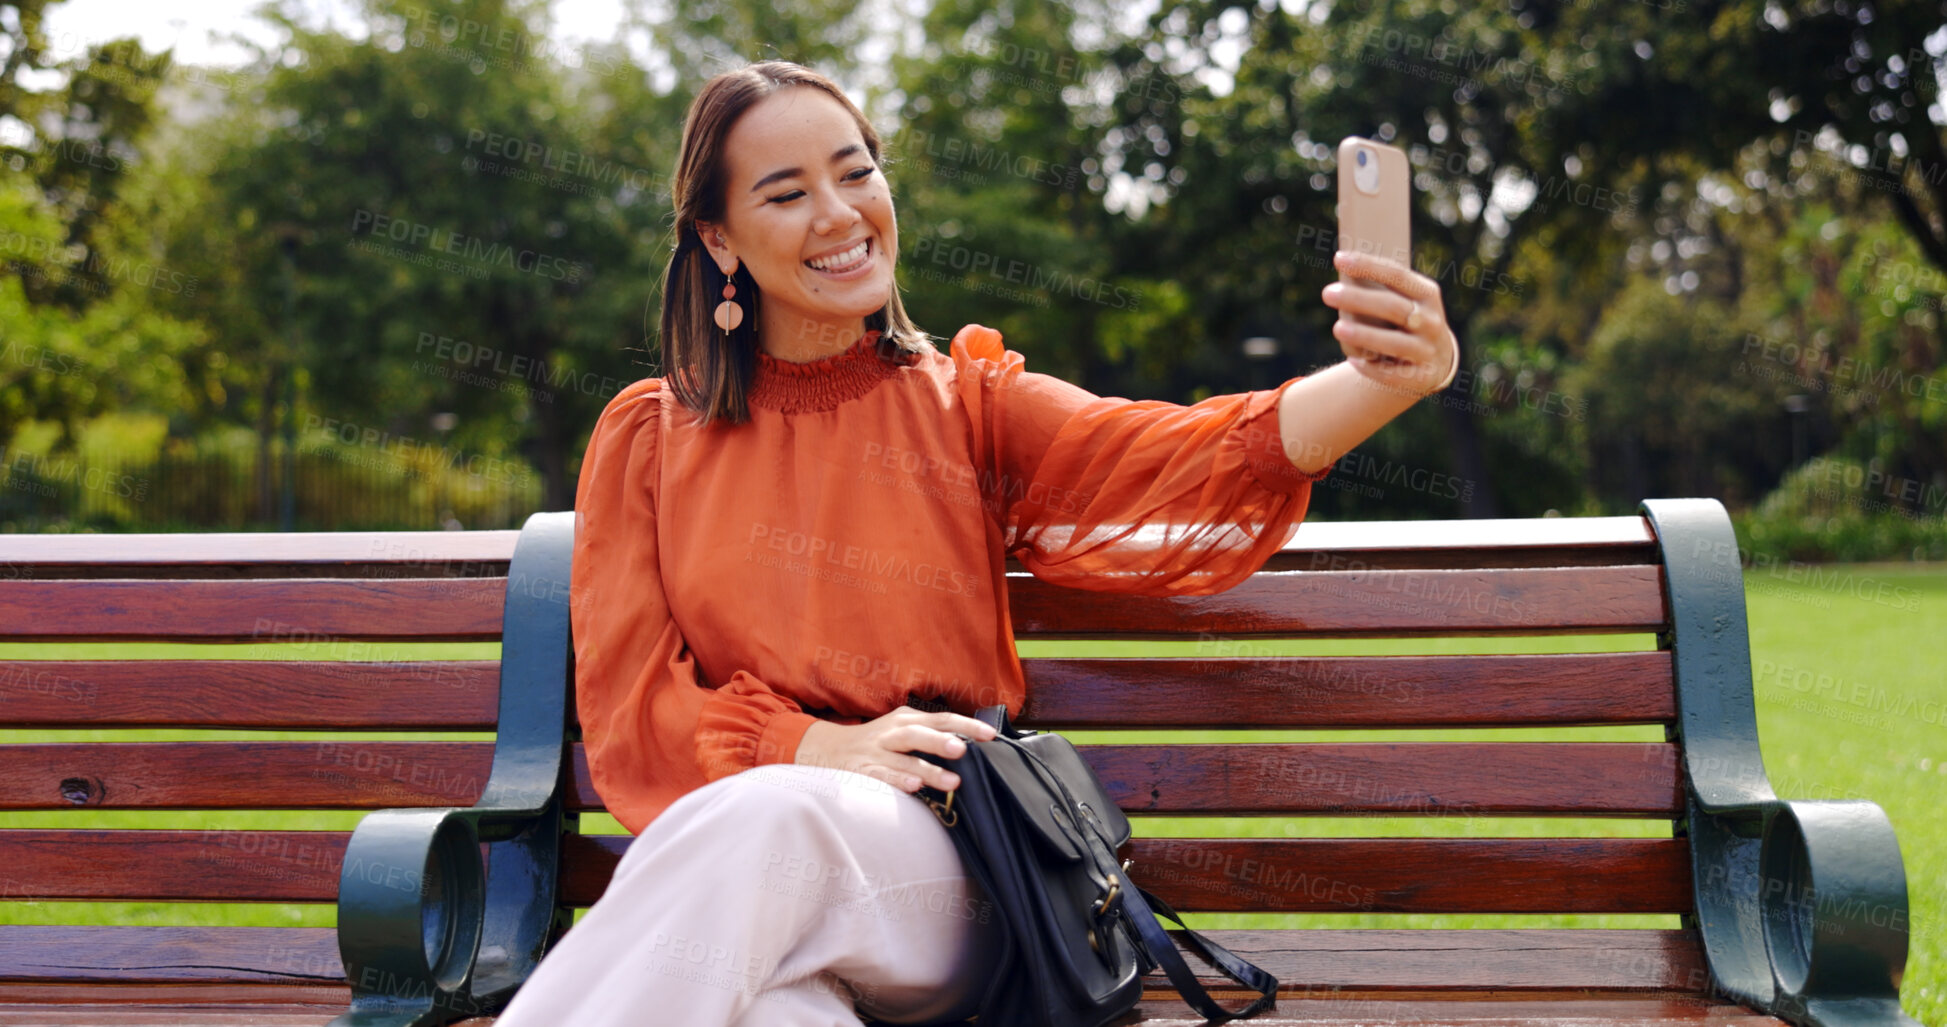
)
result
[(793, 387)]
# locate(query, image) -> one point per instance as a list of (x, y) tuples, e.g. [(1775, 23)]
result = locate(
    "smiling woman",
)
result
[(815, 238), (778, 186), (789, 577)]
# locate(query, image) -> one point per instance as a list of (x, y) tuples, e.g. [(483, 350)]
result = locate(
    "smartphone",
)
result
[(1374, 205)]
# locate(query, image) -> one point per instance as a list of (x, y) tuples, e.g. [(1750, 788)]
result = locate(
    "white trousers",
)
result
[(782, 896)]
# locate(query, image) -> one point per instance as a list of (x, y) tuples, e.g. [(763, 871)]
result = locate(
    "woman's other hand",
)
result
[(1416, 359), (881, 748)]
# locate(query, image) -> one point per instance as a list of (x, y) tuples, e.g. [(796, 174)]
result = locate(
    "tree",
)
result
[(468, 216), (79, 334), (1002, 216), (1565, 122)]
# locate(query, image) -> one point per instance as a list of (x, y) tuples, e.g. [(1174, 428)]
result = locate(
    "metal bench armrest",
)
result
[(427, 933), (1802, 906)]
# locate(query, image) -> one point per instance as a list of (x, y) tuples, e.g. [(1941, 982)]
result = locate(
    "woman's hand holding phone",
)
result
[(1419, 353), (1391, 324)]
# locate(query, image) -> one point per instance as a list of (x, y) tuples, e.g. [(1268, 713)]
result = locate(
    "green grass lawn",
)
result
[(1851, 699)]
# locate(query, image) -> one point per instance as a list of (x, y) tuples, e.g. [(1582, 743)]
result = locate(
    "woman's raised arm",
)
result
[(1118, 495), (1386, 370)]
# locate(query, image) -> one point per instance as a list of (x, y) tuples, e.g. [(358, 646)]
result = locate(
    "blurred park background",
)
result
[(384, 266)]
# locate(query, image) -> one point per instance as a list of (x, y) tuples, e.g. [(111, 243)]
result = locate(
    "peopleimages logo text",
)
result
[(466, 247)]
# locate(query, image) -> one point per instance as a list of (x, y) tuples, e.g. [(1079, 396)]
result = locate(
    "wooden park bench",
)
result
[(447, 896)]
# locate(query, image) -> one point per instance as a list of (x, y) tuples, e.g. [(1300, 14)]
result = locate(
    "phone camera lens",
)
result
[(1362, 158)]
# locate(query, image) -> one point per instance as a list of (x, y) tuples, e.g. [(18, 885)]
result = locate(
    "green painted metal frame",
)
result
[(1802, 905), (429, 933)]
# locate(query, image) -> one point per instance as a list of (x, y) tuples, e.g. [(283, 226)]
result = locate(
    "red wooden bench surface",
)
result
[(1407, 579)]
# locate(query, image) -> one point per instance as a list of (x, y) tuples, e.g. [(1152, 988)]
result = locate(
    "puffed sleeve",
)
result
[(652, 729), (1119, 495)]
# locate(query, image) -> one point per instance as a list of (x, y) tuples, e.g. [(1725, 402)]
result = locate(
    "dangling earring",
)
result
[(729, 313)]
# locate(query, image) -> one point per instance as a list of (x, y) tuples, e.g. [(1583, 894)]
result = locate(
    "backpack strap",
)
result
[(1163, 951)]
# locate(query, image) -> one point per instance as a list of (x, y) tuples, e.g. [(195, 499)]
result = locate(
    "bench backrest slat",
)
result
[(454, 695), (215, 865), (1537, 779), (1614, 779), (1359, 603), (1234, 685), (1485, 542), (337, 774), (420, 609)]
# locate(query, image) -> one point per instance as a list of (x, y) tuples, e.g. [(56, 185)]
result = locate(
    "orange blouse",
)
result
[(842, 552)]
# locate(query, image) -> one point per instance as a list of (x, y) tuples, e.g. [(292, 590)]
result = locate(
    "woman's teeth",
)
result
[(846, 261)]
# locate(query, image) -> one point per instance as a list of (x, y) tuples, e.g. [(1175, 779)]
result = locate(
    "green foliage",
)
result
[(79, 330), (423, 222), (999, 223), (1615, 204), (73, 143), (1838, 509), (1668, 414), (1530, 419), (126, 474), (65, 365), (699, 38)]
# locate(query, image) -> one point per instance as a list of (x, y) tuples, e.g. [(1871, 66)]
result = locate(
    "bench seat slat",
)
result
[(1591, 1008), (153, 954), (1386, 1009), (110, 1006), (315, 610), (1518, 601), (1308, 960), (459, 695), (1366, 875), (1386, 958), (1253, 690)]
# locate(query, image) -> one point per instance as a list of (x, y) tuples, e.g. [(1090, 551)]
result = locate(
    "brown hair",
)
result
[(709, 374)]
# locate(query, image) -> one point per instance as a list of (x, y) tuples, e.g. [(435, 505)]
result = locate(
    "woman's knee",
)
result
[(775, 815), (783, 799), (795, 790)]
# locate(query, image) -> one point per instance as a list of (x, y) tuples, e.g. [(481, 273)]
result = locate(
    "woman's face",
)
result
[(801, 188)]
